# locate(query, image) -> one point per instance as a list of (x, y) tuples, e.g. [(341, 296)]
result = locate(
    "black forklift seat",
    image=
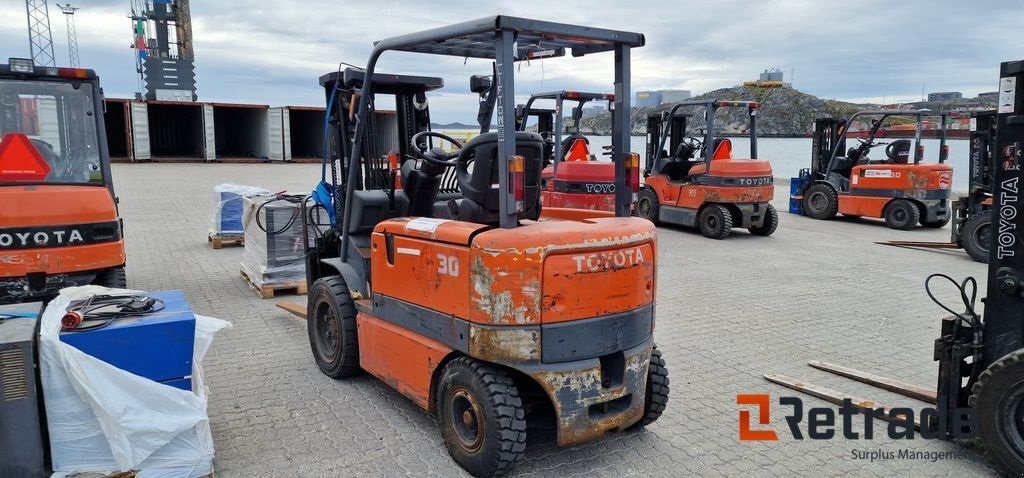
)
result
[(479, 186)]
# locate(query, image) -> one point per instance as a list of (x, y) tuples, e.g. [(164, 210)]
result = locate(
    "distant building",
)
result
[(774, 74), (989, 97), (674, 96), (945, 96), (647, 99)]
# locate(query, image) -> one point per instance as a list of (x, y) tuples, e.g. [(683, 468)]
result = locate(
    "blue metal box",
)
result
[(230, 214), (796, 187), (157, 346)]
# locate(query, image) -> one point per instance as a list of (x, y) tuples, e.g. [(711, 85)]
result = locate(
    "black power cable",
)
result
[(295, 199), (968, 289), (102, 310)]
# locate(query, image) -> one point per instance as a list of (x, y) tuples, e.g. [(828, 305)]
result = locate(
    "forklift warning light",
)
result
[(21, 65), (20, 160)]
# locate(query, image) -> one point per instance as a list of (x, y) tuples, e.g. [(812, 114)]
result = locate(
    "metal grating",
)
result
[(13, 385)]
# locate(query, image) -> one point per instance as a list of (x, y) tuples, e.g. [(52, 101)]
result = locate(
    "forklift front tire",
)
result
[(821, 202), (648, 205), (656, 395), (715, 221), (998, 399), (482, 419), (902, 215), (975, 236), (331, 322)]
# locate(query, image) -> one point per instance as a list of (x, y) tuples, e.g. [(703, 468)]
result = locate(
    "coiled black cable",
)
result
[(102, 310), (295, 199), (968, 316)]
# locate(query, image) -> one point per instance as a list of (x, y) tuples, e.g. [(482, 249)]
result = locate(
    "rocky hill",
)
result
[(784, 112)]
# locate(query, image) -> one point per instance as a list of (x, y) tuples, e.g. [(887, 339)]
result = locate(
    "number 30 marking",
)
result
[(447, 265)]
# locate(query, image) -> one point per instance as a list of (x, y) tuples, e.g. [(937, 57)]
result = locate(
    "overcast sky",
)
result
[(272, 51)]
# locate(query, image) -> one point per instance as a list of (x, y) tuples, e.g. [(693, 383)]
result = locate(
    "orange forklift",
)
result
[(59, 224), (575, 178), (905, 193), (472, 306), (699, 183)]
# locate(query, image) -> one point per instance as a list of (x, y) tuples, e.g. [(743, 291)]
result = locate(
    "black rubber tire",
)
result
[(715, 221), (331, 323), (487, 396), (821, 202), (648, 205), (656, 395), (114, 277), (769, 225), (976, 239), (939, 224), (902, 214), (998, 400)]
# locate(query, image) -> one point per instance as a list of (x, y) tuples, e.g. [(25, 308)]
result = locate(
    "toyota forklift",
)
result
[(971, 223), (59, 224), (474, 307), (904, 192), (575, 178), (697, 183), (980, 391)]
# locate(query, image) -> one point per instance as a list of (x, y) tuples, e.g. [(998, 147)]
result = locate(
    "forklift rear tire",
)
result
[(976, 237), (998, 399), (331, 322), (656, 395), (902, 215), (821, 202), (114, 277), (715, 221), (482, 419), (648, 205), (769, 225)]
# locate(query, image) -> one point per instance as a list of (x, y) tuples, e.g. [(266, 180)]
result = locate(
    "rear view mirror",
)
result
[(480, 84)]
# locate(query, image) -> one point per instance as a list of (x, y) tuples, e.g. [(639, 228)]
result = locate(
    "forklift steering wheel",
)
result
[(435, 155)]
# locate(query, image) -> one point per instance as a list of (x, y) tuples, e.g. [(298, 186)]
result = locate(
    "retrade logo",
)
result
[(852, 422), (762, 404)]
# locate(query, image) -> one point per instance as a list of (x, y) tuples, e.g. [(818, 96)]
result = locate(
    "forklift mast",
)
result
[(676, 134), (1004, 306), (827, 137), (983, 136)]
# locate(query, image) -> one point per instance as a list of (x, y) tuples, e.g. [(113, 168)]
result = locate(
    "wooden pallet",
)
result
[(269, 291), (218, 241)]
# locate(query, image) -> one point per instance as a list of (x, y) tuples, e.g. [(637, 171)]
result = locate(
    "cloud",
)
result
[(272, 52)]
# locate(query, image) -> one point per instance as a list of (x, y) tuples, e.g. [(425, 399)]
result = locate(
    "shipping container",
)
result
[(116, 116), (176, 131), (242, 132), (304, 133)]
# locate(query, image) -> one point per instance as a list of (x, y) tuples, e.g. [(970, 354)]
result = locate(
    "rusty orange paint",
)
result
[(61, 260), (865, 206), (597, 202), (623, 279), (902, 176), (507, 270), (429, 274), (404, 360), (452, 232)]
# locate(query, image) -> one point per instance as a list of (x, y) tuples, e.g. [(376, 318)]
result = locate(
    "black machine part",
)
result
[(21, 408)]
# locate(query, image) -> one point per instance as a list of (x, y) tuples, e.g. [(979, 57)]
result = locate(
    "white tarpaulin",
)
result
[(104, 419)]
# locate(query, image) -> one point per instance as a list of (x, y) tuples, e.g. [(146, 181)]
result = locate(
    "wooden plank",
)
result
[(297, 310), (218, 241), (269, 291), (906, 389), (834, 396)]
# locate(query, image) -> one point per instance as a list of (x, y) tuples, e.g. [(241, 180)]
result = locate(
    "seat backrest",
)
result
[(478, 173), (898, 151)]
